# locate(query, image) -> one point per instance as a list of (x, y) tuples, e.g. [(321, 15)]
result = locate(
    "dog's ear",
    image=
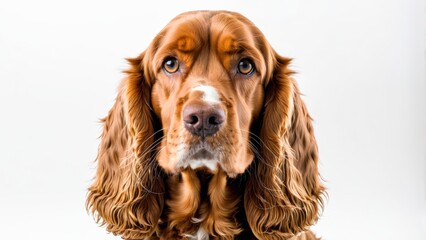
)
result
[(127, 192), (284, 196)]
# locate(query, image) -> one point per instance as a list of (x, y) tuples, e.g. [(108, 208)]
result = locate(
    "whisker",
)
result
[(152, 135), (130, 154), (261, 143), (150, 169)]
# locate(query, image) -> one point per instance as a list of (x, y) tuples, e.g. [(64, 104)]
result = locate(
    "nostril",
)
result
[(191, 116), (216, 117), (192, 120), (212, 120)]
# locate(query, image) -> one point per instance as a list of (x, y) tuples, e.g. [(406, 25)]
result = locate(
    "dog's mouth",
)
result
[(202, 157), (202, 154)]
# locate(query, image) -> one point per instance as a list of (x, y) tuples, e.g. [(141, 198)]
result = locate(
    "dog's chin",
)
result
[(203, 159), (207, 161)]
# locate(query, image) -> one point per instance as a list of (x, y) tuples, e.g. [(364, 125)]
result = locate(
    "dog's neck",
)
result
[(200, 200)]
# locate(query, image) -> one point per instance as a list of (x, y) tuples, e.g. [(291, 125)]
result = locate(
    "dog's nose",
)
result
[(203, 120)]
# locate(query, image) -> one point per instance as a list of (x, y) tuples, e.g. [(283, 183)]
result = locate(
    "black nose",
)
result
[(203, 120)]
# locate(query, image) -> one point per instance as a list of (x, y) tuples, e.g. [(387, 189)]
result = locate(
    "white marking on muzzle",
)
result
[(210, 93)]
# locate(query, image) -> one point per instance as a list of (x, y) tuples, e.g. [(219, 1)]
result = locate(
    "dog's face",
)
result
[(208, 89)]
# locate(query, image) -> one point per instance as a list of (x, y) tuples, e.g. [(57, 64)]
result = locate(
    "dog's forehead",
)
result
[(228, 32)]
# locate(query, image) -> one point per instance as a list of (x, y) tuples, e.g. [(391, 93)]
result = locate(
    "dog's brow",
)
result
[(185, 44)]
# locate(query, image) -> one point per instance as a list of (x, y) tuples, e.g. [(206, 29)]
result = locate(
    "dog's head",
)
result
[(208, 74), (209, 92)]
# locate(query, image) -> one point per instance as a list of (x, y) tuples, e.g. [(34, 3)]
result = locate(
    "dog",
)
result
[(208, 139)]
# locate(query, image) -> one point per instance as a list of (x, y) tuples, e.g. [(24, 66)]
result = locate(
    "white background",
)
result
[(360, 64)]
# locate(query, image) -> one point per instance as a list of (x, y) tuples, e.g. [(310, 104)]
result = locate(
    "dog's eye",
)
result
[(245, 66), (171, 65)]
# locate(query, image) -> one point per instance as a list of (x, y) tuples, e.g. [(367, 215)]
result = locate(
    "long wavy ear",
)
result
[(127, 192), (284, 196)]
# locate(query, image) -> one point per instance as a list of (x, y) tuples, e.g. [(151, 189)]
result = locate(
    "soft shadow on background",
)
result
[(361, 67)]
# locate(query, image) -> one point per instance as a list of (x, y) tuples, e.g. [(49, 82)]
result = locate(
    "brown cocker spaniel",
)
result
[(208, 139)]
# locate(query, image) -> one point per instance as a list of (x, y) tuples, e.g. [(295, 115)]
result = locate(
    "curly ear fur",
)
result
[(285, 195), (127, 192)]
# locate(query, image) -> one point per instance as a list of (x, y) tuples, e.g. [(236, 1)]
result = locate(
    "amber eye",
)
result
[(246, 66), (171, 65)]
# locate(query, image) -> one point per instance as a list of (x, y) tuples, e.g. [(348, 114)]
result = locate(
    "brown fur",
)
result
[(267, 185)]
